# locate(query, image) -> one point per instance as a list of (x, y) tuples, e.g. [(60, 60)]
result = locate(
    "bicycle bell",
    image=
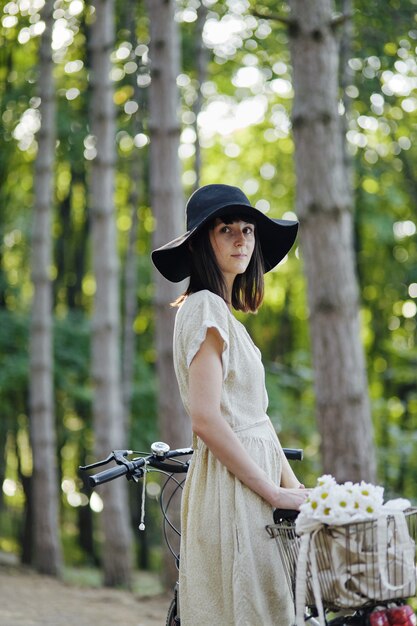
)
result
[(159, 448)]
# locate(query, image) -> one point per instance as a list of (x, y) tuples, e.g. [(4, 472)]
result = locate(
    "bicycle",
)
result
[(368, 604), (168, 462)]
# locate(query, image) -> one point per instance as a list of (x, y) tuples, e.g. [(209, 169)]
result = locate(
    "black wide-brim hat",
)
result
[(276, 237)]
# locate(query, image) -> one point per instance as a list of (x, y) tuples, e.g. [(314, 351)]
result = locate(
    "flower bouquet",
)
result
[(336, 504)]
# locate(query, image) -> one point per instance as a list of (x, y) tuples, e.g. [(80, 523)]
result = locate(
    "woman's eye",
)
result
[(247, 230)]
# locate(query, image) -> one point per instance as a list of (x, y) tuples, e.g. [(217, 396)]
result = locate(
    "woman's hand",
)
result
[(291, 498)]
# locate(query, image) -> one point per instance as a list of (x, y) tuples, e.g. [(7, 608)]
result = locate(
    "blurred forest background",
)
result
[(83, 84)]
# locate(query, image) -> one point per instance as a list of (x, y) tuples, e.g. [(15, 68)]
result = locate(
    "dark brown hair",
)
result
[(248, 288)]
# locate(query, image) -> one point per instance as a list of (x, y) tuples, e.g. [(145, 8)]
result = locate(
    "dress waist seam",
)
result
[(239, 429), (198, 443)]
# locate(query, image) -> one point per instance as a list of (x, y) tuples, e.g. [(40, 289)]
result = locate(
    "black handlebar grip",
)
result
[(107, 475), (294, 454), (285, 515)]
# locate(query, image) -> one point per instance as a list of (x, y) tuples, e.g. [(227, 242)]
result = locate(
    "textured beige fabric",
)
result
[(230, 573)]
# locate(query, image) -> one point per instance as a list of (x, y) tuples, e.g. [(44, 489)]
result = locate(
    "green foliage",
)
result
[(14, 365)]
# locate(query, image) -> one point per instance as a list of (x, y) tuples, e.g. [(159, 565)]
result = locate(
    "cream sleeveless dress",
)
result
[(230, 571)]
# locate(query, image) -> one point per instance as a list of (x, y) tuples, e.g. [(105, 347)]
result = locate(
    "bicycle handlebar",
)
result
[(293, 454), (107, 475), (134, 468)]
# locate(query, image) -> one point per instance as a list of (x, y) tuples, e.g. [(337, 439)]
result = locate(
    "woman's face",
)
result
[(233, 246)]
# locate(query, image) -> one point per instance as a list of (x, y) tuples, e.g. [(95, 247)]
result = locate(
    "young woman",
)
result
[(230, 573)]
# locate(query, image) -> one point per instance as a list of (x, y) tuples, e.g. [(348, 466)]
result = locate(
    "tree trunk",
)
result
[(47, 556), (202, 58), (168, 209), (107, 402), (324, 208), (167, 202)]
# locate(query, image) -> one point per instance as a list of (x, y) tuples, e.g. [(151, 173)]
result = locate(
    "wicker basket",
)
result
[(347, 564)]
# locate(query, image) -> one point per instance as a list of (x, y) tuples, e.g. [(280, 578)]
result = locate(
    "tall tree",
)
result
[(324, 206), (201, 62), (166, 199), (167, 204), (46, 556), (107, 402)]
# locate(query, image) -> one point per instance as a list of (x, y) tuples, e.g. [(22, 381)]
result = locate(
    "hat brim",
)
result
[(276, 238)]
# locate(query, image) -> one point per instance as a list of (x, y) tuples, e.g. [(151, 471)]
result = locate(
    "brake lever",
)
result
[(115, 455), (120, 457)]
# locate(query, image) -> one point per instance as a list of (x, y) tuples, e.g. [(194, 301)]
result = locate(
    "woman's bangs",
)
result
[(239, 216)]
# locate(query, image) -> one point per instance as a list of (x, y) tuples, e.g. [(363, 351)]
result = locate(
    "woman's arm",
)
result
[(288, 478), (205, 386)]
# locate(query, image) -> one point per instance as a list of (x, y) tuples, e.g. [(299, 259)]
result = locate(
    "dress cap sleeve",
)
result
[(201, 311)]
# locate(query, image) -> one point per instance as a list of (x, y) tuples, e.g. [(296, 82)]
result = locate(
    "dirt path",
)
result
[(28, 599)]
